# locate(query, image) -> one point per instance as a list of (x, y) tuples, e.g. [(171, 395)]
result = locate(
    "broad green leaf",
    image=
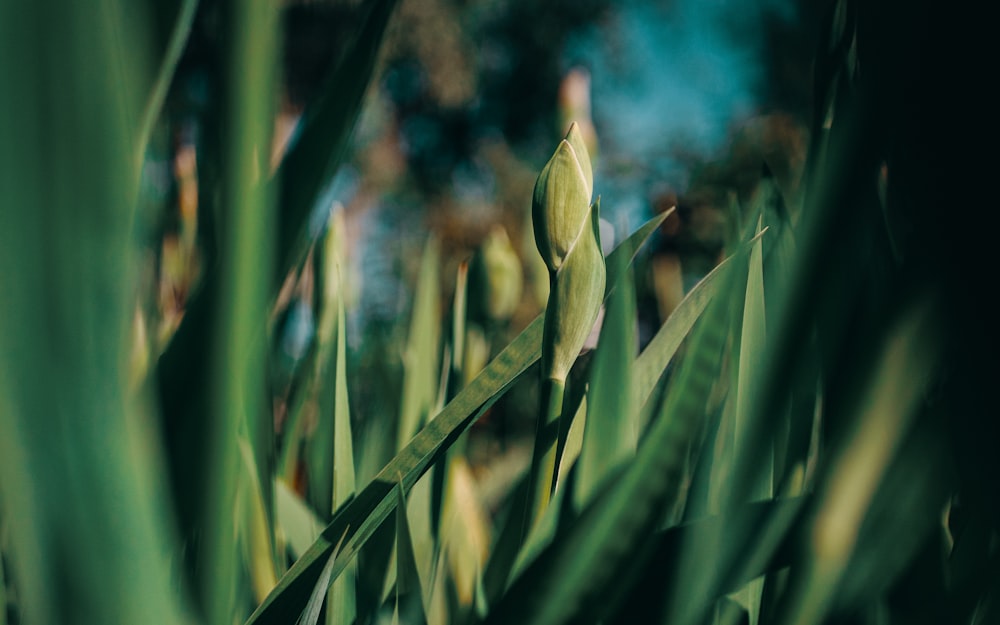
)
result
[(751, 354), (751, 361), (360, 517), (611, 434), (83, 497), (315, 155), (238, 353)]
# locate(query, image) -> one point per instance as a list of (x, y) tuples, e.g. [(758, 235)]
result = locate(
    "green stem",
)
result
[(543, 461)]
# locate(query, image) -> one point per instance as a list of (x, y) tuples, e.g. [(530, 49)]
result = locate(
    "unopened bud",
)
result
[(560, 206), (575, 301)]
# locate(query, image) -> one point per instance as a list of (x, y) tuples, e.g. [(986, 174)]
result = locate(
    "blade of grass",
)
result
[(420, 397), (310, 615), (408, 585), (245, 253), (165, 73), (321, 447), (458, 330), (374, 503), (751, 357), (421, 357), (342, 600)]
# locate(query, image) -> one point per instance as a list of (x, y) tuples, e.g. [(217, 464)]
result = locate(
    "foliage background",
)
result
[(177, 356)]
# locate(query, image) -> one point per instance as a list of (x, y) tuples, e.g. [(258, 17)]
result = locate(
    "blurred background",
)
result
[(684, 103)]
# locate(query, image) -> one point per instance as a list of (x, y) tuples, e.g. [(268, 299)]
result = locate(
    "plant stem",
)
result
[(543, 461)]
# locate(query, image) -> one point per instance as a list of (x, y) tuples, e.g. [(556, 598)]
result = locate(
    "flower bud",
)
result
[(575, 301), (560, 205)]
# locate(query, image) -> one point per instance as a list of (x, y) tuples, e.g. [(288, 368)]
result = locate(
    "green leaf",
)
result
[(80, 484), (611, 434), (360, 517), (3, 584), (407, 576), (646, 601), (881, 418), (751, 362), (297, 521), (574, 442), (164, 76), (653, 360), (256, 536), (238, 354), (341, 604), (310, 615), (459, 327), (421, 357)]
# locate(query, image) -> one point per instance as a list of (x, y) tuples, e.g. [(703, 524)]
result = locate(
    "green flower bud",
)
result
[(575, 301), (561, 202), (495, 279)]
